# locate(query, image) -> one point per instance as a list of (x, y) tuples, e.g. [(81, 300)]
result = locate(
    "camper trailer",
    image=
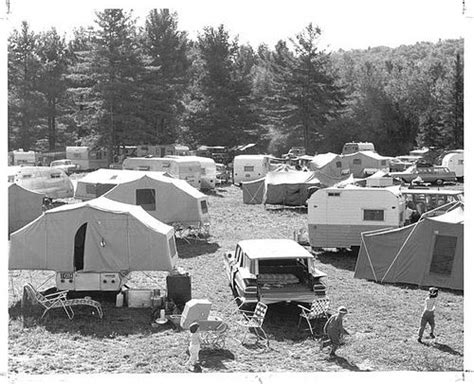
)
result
[(179, 167), (357, 147), (52, 182), (87, 158), (454, 161), (93, 246), (337, 216), (162, 150), (208, 170), (250, 167), (22, 157)]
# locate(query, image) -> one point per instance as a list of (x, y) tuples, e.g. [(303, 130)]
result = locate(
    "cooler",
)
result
[(195, 310)]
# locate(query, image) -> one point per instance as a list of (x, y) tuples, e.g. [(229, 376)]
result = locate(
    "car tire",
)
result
[(439, 182)]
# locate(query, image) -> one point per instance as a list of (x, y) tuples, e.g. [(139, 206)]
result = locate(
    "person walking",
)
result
[(428, 316), (334, 330)]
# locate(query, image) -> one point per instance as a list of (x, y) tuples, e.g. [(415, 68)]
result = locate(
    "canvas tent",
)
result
[(288, 187), (166, 199), (100, 235), (96, 183), (253, 191), (23, 206), (329, 164), (365, 162), (427, 253)]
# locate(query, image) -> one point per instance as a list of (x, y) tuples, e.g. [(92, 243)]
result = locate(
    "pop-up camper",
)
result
[(93, 245), (23, 206), (337, 216)]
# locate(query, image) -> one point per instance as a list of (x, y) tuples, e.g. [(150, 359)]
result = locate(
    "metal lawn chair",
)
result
[(319, 310), (254, 320), (59, 300)]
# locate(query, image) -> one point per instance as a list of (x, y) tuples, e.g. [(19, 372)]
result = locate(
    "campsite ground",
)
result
[(382, 319)]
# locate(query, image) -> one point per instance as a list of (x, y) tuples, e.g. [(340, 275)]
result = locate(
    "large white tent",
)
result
[(23, 206), (100, 235)]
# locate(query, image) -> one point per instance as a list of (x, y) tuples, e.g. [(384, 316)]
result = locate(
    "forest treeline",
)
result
[(117, 83)]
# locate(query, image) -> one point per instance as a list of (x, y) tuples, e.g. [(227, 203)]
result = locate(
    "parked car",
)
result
[(66, 165), (435, 175), (273, 270)]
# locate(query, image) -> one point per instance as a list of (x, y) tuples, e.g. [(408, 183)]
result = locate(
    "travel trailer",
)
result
[(22, 157), (250, 167), (208, 170), (162, 150), (87, 158), (357, 147), (179, 167), (337, 216), (454, 161), (52, 182)]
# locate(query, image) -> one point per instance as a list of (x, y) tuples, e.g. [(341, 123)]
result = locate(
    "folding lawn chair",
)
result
[(319, 310), (254, 320), (59, 300)]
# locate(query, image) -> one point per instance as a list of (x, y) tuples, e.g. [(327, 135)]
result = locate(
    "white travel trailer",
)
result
[(454, 161), (337, 216), (87, 158), (250, 167), (52, 182), (179, 167), (22, 157), (208, 170)]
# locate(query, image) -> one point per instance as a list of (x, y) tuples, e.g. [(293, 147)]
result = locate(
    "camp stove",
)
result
[(90, 281)]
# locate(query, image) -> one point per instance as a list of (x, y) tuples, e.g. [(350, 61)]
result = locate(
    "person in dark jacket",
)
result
[(334, 330)]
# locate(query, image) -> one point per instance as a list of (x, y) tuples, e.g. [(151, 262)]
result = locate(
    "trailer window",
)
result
[(383, 162), (55, 175), (338, 164), (373, 215), (146, 199), (143, 167), (334, 194), (249, 168), (443, 254), (460, 162), (357, 162)]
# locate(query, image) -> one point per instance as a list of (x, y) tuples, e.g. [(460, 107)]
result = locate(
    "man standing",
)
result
[(428, 313), (334, 330)]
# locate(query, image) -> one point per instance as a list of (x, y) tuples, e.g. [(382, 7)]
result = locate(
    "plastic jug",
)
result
[(119, 300)]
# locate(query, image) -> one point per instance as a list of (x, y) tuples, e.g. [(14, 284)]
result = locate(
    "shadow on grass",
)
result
[(341, 259), (346, 364), (445, 348), (121, 321), (214, 193), (283, 208), (195, 247), (214, 358)]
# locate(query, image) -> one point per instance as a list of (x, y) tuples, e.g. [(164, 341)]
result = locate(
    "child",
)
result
[(194, 347), (334, 330), (428, 313)]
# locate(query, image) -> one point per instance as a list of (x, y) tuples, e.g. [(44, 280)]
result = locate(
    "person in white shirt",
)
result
[(194, 347), (428, 314)]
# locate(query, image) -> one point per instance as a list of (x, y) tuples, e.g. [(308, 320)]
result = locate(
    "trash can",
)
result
[(179, 288)]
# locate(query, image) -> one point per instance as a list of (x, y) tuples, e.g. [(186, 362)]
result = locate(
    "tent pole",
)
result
[(368, 256)]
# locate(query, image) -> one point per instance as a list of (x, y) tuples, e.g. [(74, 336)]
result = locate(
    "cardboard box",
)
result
[(139, 298)]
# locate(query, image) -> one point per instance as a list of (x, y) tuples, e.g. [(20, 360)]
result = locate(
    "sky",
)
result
[(345, 24)]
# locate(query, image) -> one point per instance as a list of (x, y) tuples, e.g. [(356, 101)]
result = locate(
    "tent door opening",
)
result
[(79, 245)]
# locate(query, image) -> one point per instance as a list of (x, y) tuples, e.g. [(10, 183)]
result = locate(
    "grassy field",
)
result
[(382, 319)]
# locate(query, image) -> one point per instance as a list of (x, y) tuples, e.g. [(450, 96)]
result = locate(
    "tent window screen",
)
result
[(146, 199), (373, 215), (338, 164), (443, 254), (357, 162)]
